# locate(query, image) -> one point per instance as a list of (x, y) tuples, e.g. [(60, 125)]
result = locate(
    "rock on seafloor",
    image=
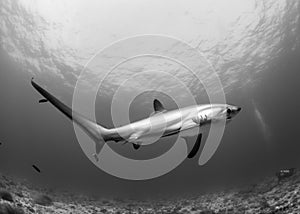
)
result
[(271, 195)]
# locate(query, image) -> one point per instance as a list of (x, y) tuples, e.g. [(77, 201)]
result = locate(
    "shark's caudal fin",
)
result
[(95, 131)]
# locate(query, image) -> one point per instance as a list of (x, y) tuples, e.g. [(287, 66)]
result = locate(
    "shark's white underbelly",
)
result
[(187, 129)]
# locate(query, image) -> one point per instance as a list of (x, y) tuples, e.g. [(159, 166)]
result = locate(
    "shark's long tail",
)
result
[(95, 131)]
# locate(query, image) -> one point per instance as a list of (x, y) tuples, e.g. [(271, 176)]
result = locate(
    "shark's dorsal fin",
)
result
[(158, 107)]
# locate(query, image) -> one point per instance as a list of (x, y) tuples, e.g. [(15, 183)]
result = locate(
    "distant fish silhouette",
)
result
[(36, 168), (43, 101)]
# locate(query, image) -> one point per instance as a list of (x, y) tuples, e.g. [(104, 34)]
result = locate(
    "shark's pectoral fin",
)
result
[(196, 147)]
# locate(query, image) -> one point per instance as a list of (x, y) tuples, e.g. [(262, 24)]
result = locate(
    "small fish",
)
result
[(36, 168)]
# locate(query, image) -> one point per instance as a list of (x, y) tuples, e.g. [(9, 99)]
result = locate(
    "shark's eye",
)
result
[(228, 111)]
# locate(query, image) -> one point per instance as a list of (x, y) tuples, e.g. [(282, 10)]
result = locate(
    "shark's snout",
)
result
[(232, 111)]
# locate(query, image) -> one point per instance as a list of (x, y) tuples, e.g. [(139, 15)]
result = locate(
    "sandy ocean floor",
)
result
[(268, 196)]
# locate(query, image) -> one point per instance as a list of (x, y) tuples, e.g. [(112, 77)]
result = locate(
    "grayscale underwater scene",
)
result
[(149, 106)]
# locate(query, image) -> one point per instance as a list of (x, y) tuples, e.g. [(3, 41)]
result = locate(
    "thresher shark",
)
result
[(172, 122)]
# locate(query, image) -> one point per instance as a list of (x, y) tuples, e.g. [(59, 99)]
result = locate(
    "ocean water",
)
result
[(253, 47)]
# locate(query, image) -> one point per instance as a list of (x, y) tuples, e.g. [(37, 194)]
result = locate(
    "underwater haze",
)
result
[(254, 47)]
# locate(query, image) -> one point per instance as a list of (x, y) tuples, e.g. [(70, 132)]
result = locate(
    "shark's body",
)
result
[(165, 123), (186, 121)]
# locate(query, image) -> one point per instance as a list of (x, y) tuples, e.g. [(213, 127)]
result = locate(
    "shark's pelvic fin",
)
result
[(158, 107), (136, 146), (196, 147)]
